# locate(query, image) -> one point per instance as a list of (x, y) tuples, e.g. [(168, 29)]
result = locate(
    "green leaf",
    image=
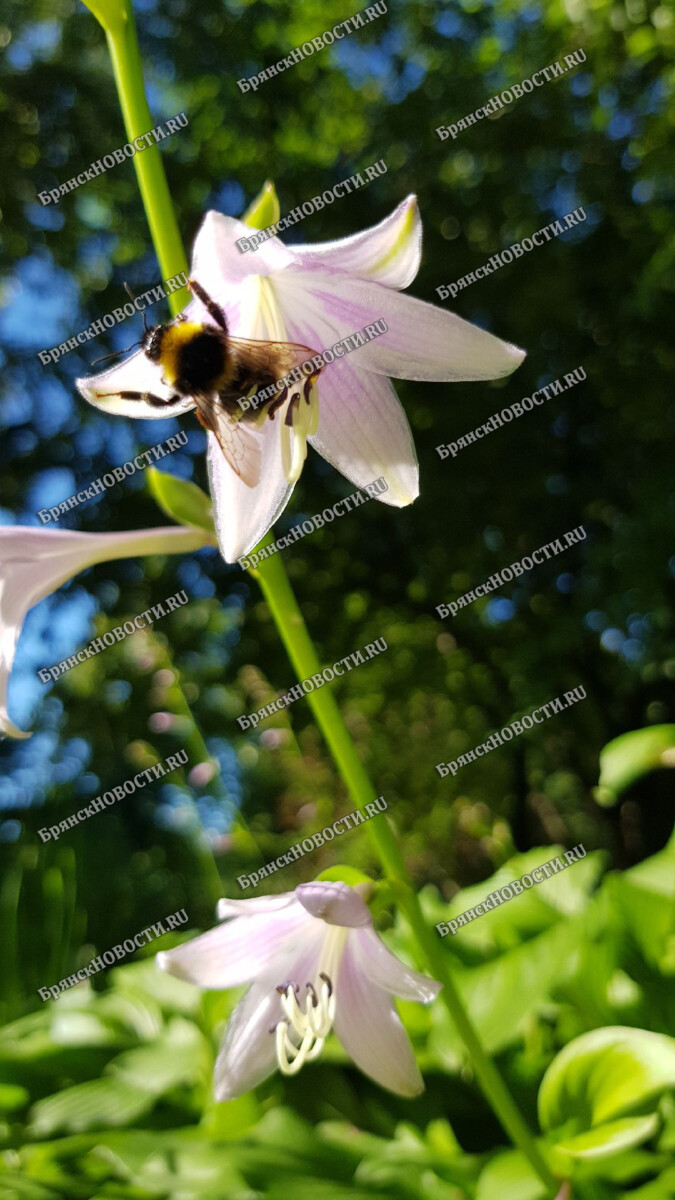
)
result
[(662, 1188), (12, 1096), (501, 995), (180, 1056), (264, 210), (632, 755), (341, 873), (100, 1103), (174, 1163), (181, 500), (538, 908), (643, 899), (605, 1074), (509, 1176), (610, 1138)]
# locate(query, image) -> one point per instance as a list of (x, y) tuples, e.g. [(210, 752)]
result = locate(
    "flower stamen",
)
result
[(309, 1026), (306, 1023)]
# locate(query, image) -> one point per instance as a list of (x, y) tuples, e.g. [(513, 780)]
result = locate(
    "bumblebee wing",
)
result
[(240, 447), (260, 363)]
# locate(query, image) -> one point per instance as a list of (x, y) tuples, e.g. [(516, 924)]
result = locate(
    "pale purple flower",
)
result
[(35, 562), (314, 963), (316, 295)]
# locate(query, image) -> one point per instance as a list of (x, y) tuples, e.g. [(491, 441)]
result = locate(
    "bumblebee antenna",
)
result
[(116, 353), (131, 296)]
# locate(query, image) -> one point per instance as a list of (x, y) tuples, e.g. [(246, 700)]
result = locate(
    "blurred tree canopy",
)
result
[(598, 455)]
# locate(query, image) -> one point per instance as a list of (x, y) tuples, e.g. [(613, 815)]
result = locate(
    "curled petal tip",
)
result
[(10, 730), (334, 903)]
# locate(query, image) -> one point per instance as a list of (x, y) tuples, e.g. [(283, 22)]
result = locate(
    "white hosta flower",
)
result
[(314, 963), (35, 562), (315, 295)]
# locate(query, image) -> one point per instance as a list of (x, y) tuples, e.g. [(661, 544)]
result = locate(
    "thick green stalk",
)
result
[(293, 631), (116, 17)]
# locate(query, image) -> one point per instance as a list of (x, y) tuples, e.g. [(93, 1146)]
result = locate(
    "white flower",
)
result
[(35, 562), (314, 963), (316, 295)]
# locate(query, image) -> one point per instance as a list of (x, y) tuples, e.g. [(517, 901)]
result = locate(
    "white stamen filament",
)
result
[(305, 422), (312, 1023)]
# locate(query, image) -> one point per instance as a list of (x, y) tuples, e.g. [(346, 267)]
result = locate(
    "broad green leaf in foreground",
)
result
[(606, 1074), (625, 759), (102, 1102), (644, 900), (509, 1176), (610, 1138), (180, 1055), (502, 994)]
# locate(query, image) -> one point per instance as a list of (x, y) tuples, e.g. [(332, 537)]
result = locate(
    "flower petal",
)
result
[(371, 1032), (388, 253), (422, 341), (248, 1053), (137, 373), (334, 903), (35, 562), (236, 952), (386, 971), (243, 514), (9, 636), (254, 906), (364, 433), (216, 260)]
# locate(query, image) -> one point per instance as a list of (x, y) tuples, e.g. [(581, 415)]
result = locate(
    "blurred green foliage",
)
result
[(108, 1092), (593, 947)]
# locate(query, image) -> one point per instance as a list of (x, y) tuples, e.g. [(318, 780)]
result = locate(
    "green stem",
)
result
[(277, 591), (120, 29)]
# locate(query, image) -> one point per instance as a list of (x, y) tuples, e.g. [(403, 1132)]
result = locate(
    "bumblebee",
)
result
[(205, 364)]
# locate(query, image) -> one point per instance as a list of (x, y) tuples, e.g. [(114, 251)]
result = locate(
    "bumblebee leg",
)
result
[(148, 397), (277, 403), (210, 305)]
